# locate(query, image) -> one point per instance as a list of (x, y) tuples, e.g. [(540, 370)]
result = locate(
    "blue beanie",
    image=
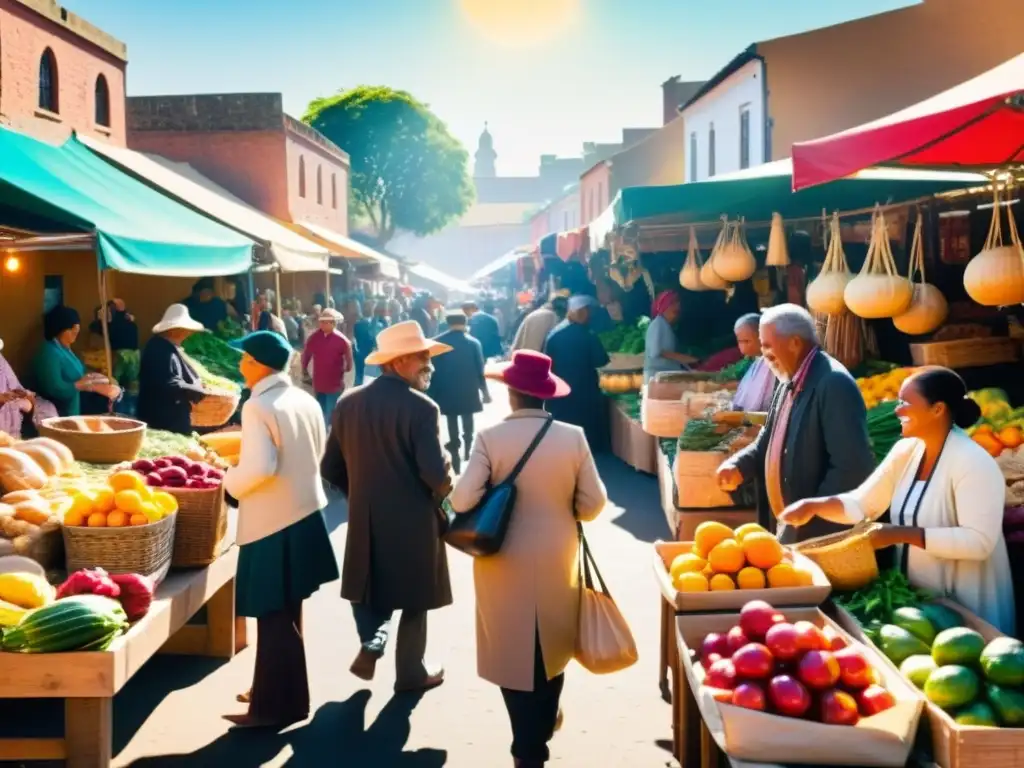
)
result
[(269, 348)]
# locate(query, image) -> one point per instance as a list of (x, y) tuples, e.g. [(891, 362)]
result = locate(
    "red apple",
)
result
[(854, 668), (753, 662), (721, 694), (714, 643), (819, 669), (735, 639), (711, 658), (163, 463), (756, 618), (789, 696), (838, 708), (874, 699), (750, 696), (721, 674), (781, 640), (836, 642), (810, 637)]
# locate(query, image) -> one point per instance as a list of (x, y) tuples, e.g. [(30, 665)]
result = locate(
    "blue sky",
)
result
[(582, 73)]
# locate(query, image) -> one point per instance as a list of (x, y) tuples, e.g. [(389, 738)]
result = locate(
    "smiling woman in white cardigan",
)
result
[(946, 496)]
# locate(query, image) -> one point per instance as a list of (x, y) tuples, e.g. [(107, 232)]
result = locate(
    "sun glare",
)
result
[(521, 23)]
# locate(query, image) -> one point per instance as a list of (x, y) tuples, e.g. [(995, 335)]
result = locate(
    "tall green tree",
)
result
[(408, 172)]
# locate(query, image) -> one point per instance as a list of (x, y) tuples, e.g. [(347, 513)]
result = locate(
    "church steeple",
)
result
[(484, 166)]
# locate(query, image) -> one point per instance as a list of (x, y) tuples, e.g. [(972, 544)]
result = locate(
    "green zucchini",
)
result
[(70, 624)]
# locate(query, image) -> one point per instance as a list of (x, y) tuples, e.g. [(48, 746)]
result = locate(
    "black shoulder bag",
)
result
[(481, 531)]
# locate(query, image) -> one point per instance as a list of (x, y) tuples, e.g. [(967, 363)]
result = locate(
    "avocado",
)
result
[(952, 686), (941, 617), (1008, 704), (959, 645), (897, 644), (1002, 662), (979, 713), (918, 668), (915, 622)]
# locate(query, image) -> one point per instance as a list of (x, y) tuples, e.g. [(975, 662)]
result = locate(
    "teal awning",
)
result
[(137, 228)]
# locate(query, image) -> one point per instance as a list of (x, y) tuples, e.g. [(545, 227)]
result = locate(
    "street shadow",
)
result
[(336, 512), (638, 495), (337, 735)]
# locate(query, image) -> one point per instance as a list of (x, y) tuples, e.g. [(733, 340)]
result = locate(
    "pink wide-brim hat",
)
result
[(529, 372)]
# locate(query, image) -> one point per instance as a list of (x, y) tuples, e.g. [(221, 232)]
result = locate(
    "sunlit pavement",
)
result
[(169, 714)]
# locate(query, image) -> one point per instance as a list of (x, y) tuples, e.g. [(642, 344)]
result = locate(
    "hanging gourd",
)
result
[(708, 275), (878, 290), (734, 261), (995, 277), (689, 275), (778, 248), (825, 292), (928, 307)]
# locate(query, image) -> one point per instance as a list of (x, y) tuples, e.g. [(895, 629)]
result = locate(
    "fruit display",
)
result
[(132, 591), (124, 500), (159, 443), (227, 445), (1001, 426), (792, 669), (873, 605), (620, 383), (883, 387), (76, 623), (21, 593), (723, 559), (178, 472)]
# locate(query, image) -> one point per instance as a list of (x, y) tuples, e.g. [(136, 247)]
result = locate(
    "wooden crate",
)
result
[(966, 353)]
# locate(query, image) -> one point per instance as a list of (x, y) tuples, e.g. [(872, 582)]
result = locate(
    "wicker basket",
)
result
[(663, 418), (202, 523), (966, 353), (215, 409), (142, 549), (847, 557), (620, 361), (121, 444)]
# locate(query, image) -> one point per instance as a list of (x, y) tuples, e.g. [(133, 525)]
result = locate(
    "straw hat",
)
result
[(176, 317), (405, 338), (530, 373)]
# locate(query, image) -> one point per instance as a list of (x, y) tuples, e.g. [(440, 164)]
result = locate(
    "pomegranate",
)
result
[(874, 699), (819, 669), (735, 639), (753, 662), (714, 643), (751, 696), (756, 618), (810, 637), (789, 696), (838, 708), (721, 674), (854, 668), (781, 640)]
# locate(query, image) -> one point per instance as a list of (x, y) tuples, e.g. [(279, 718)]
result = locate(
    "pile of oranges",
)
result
[(723, 559), (125, 500)]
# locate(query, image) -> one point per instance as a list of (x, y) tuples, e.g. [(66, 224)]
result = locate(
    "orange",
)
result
[(722, 582), (746, 529), (128, 501), (117, 519), (165, 502), (73, 518), (126, 480), (709, 535), (804, 578), (149, 509), (750, 578), (691, 582), (97, 520), (783, 575), (139, 519), (727, 557), (685, 563), (104, 501), (762, 550), (82, 504), (708, 571)]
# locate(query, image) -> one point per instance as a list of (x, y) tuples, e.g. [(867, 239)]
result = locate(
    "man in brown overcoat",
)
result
[(384, 453)]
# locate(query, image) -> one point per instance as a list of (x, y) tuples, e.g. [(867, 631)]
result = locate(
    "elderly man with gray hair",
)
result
[(815, 442)]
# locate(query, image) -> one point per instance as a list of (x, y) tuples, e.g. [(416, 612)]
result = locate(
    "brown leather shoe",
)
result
[(432, 680), (365, 665)]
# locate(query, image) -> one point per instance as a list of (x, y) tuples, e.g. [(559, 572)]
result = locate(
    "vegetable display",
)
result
[(735, 371), (884, 429), (706, 435), (77, 623), (216, 358), (229, 329), (1001, 426), (625, 338), (21, 593), (873, 605)]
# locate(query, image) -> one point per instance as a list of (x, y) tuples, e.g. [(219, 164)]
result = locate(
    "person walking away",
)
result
[(815, 440), (363, 340), (576, 354), (384, 454), (421, 312), (756, 388), (660, 344), (528, 593), (331, 355), (947, 498), (458, 385), (168, 385), (285, 551), (538, 324), (483, 326)]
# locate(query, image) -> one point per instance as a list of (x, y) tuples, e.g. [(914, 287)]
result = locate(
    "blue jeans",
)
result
[(327, 403)]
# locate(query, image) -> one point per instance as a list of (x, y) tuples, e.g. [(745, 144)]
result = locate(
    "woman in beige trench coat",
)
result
[(528, 593)]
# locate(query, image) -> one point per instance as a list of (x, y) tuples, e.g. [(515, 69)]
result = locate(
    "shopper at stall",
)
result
[(458, 385), (331, 355), (168, 385), (60, 376), (576, 354), (285, 551), (384, 454), (537, 325), (527, 595), (483, 325), (205, 306), (660, 345), (16, 403), (815, 440), (757, 386), (946, 495), (422, 312)]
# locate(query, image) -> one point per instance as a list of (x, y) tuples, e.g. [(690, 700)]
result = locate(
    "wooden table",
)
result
[(88, 681)]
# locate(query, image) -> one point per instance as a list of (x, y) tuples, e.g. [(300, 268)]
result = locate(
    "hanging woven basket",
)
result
[(928, 307), (878, 290), (826, 291), (995, 277)]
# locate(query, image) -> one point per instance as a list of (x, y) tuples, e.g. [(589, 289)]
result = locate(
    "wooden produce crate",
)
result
[(954, 745), (707, 602), (885, 739), (631, 444), (966, 353), (683, 522)]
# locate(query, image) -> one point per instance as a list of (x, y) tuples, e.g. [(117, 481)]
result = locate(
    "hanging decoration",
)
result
[(734, 261), (825, 294), (689, 275), (708, 274), (878, 290), (778, 247), (995, 277), (928, 307)]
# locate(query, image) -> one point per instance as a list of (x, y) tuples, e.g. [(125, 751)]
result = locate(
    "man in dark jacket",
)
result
[(815, 442), (458, 384), (485, 329), (384, 453), (168, 386)]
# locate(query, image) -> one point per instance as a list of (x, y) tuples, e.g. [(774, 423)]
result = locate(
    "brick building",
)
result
[(247, 144), (58, 73)]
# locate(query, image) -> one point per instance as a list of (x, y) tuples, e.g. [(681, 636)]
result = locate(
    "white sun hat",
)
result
[(405, 338), (176, 317)]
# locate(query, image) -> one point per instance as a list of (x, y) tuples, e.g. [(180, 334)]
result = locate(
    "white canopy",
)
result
[(355, 249)]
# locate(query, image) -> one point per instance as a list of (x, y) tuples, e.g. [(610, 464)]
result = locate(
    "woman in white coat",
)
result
[(528, 593), (946, 496)]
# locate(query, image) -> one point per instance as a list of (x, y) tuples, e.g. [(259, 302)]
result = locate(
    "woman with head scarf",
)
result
[(757, 386), (660, 344), (59, 375)]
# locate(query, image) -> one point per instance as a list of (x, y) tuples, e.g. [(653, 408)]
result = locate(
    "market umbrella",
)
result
[(977, 125)]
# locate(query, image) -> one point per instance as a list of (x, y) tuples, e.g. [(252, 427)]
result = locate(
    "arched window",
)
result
[(319, 185), (48, 82), (102, 98), (334, 191), (302, 176)]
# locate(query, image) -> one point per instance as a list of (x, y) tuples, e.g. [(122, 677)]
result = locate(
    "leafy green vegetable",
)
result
[(705, 435), (159, 443), (874, 604), (884, 429), (230, 329), (216, 356), (626, 339), (736, 371)]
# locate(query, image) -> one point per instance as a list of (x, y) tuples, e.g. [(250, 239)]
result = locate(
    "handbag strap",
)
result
[(529, 452), (588, 564)]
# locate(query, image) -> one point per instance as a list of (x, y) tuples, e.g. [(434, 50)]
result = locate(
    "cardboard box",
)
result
[(631, 444)]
